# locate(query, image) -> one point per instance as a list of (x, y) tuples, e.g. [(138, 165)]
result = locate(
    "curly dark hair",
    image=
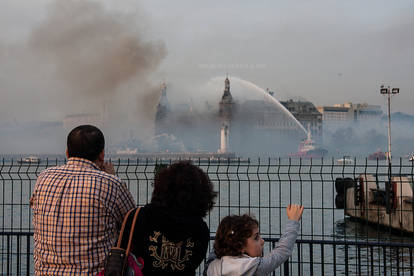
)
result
[(185, 189), (232, 234)]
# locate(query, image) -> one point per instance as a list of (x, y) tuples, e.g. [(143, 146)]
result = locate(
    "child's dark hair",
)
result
[(232, 234)]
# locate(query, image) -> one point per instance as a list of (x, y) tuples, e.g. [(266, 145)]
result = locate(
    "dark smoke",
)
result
[(81, 58), (93, 50)]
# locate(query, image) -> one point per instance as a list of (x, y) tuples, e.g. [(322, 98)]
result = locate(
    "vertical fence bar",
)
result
[(299, 245), (19, 256), (346, 260), (372, 260), (286, 268), (359, 259), (322, 259), (21, 196), (401, 201), (412, 201), (290, 180), (249, 191), (259, 188), (3, 183), (323, 202), (385, 260), (269, 197), (300, 185), (27, 255), (311, 197), (280, 194), (334, 258), (9, 263), (311, 258), (229, 186), (219, 190), (146, 181), (137, 178), (411, 261), (398, 260), (333, 202), (239, 185), (11, 198), (126, 172), (208, 173)]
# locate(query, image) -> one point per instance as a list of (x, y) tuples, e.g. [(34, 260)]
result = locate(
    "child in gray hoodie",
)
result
[(238, 246)]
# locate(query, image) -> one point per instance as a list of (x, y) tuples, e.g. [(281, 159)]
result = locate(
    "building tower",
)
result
[(161, 115), (225, 113)]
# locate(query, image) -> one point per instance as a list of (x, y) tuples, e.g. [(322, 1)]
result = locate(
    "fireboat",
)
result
[(308, 149)]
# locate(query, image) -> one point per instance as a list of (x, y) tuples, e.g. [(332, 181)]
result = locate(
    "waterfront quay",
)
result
[(330, 242)]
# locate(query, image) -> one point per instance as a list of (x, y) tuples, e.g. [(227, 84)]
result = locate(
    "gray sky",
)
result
[(326, 51)]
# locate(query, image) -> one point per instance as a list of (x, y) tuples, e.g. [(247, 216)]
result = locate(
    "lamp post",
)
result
[(389, 91)]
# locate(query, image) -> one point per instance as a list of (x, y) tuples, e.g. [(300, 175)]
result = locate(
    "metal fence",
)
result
[(330, 243)]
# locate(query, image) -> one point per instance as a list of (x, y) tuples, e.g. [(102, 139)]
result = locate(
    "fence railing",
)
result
[(261, 187), (333, 257), (311, 257), (16, 253)]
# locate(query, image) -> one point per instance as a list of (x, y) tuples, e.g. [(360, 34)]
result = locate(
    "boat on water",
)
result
[(411, 158), (378, 155), (308, 149), (363, 199), (127, 151), (346, 160), (29, 160)]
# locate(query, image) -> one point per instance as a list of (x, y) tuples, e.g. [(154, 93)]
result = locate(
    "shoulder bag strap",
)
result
[(131, 233), (121, 233)]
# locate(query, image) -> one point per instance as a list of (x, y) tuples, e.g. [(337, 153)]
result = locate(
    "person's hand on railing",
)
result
[(108, 167), (294, 211)]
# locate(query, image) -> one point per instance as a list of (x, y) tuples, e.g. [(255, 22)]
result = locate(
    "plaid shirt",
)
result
[(77, 213)]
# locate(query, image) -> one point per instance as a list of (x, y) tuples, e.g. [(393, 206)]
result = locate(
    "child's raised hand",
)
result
[(294, 211)]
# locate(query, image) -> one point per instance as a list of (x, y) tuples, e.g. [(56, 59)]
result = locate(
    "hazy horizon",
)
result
[(59, 58)]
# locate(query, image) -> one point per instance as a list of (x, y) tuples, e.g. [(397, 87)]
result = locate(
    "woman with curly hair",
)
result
[(238, 247), (170, 233)]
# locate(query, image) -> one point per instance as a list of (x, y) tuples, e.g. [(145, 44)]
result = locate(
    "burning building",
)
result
[(245, 126)]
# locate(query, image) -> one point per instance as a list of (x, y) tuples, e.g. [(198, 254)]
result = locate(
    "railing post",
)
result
[(311, 258), (27, 255), (8, 265), (19, 256), (286, 268)]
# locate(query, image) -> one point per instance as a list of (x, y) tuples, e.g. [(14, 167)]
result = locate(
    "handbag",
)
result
[(120, 261)]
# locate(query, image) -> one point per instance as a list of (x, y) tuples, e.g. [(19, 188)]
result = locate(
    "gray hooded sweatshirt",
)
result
[(245, 265)]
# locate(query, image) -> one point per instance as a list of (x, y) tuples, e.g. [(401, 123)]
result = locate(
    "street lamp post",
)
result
[(389, 91)]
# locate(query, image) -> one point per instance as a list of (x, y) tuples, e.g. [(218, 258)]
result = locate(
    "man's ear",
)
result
[(101, 156), (67, 154)]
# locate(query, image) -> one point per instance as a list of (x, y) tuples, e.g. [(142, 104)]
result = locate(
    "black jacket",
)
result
[(170, 244)]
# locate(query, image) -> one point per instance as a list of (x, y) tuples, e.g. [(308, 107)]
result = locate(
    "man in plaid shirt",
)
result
[(78, 208)]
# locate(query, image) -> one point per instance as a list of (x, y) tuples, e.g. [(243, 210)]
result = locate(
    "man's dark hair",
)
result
[(183, 189), (232, 234), (85, 141)]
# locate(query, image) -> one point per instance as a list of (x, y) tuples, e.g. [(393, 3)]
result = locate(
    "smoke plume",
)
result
[(93, 51), (82, 58)]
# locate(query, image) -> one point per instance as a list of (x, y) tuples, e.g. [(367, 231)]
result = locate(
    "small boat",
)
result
[(411, 158), (127, 151), (308, 149), (346, 160), (377, 155), (29, 160)]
